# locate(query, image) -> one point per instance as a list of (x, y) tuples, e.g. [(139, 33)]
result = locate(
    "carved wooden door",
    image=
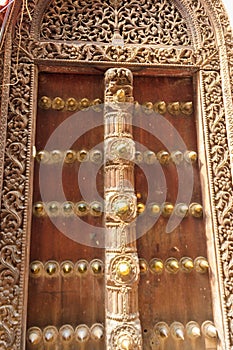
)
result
[(118, 247)]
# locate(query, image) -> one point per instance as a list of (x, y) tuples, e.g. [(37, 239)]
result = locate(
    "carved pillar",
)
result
[(123, 330)]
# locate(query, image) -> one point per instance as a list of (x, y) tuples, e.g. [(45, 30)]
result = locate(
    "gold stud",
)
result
[(66, 333), (97, 267), (36, 268), (196, 210), (177, 157), (97, 105), (147, 107), (172, 265), (39, 209), (50, 334), (138, 156), (162, 330), (82, 333), (173, 108), (167, 209), (193, 330), (149, 157), (181, 210), (52, 268), (96, 156), (186, 108), (125, 343), (67, 267), (140, 208), (154, 209), (160, 107), (70, 156), (163, 157), (97, 332), (143, 266), (53, 208), (43, 157), (190, 156), (71, 104), (201, 264), (58, 103), (34, 335), (96, 208), (120, 96), (156, 266), (121, 207), (84, 104), (187, 264), (81, 267), (83, 155), (177, 330), (124, 268), (209, 330), (56, 156), (45, 102), (81, 208), (67, 208)]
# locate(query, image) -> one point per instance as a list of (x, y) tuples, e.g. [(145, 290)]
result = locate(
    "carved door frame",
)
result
[(208, 58)]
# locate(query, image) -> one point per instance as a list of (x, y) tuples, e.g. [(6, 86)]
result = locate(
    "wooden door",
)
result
[(66, 297)]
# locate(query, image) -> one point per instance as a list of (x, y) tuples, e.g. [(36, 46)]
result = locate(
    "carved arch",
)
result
[(210, 55)]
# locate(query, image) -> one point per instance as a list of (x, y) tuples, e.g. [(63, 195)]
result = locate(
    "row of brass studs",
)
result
[(66, 268), (172, 265), (192, 330), (66, 334), (96, 156), (161, 107), (71, 104), (167, 209), (41, 209)]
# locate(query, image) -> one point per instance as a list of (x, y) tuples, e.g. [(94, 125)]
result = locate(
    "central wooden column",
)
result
[(123, 329)]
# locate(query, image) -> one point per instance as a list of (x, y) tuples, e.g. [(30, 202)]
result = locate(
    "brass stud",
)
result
[(187, 264), (181, 210), (97, 267), (124, 268), (96, 209), (143, 266), (58, 103), (173, 108), (126, 343), (177, 330), (81, 208), (120, 96), (34, 335), (149, 157), (81, 267), (70, 156), (84, 104), (193, 330), (172, 265), (66, 333), (51, 267), (209, 330), (96, 156), (163, 157), (67, 208), (43, 157), (154, 209), (190, 156), (53, 208), (147, 107), (97, 105), (201, 264), (56, 156), (97, 332), (138, 156), (196, 210), (167, 209), (67, 267), (82, 155), (121, 208), (71, 104), (139, 195), (186, 108), (82, 333), (50, 334), (160, 107), (36, 268), (45, 102), (140, 208), (161, 329), (177, 157), (39, 209), (156, 265)]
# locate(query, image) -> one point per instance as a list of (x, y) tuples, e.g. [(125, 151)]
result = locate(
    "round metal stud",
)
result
[(39, 209), (120, 96), (181, 210), (177, 330), (43, 157), (97, 105), (193, 330), (190, 156), (209, 330), (161, 329), (186, 108), (70, 156), (201, 264), (143, 266), (177, 157), (58, 103), (53, 208), (82, 333), (71, 104), (81, 267), (81, 208), (97, 332), (126, 343), (84, 104), (67, 208), (50, 334), (140, 208), (67, 267), (36, 268), (56, 156), (172, 265), (66, 333), (147, 107), (138, 156), (51, 267), (163, 157), (196, 210), (96, 208), (149, 157), (96, 156), (45, 102), (160, 107), (154, 209), (97, 267), (124, 268), (173, 108), (34, 335), (156, 265), (121, 207), (83, 155), (187, 264), (167, 209)]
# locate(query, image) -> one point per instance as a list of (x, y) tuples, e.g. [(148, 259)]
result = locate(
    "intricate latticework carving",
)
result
[(194, 44)]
